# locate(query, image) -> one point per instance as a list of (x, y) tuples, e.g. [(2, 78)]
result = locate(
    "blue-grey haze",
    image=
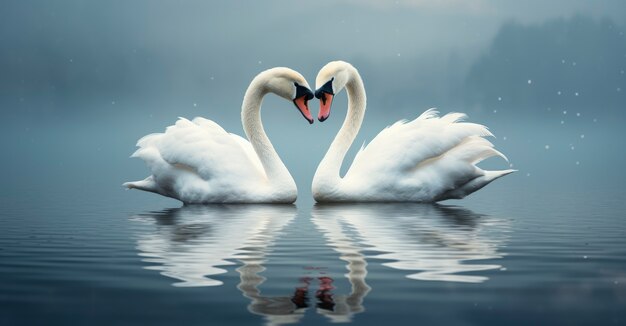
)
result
[(81, 81)]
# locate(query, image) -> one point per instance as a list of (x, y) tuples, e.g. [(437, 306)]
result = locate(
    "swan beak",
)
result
[(326, 100), (303, 106)]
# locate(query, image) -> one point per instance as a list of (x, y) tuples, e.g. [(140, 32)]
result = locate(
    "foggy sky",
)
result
[(63, 52)]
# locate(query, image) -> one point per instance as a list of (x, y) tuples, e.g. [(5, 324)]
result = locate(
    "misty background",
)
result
[(82, 81)]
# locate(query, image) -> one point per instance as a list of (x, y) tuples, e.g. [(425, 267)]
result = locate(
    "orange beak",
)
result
[(303, 106), (326, 101)]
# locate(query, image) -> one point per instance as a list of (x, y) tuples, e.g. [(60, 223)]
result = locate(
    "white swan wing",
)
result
[(194, 160), (422, 159)]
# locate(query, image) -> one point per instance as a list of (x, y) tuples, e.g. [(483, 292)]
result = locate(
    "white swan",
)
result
[(198, 162), (425, 160)]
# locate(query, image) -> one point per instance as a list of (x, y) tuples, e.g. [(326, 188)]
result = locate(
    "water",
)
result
[(515, 256)]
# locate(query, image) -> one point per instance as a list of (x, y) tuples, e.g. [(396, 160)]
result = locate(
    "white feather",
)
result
[(428, 159), (197, 161)]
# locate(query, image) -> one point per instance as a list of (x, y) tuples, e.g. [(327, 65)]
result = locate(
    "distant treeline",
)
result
[(577, 62)]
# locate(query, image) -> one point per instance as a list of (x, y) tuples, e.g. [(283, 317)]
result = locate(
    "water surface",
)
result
[(498, 257)]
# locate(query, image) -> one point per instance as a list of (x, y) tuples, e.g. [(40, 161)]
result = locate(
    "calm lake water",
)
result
[(502, 256)]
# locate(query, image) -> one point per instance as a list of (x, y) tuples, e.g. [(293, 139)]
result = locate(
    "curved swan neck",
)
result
[(253, 127), (327, 174)]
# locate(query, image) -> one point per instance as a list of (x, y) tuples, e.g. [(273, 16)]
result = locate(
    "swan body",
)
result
[(198, 162), (428, 159)]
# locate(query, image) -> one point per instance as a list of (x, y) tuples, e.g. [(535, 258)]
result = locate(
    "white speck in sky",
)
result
[(398, 54), (576, 93), (511, 165), (504, 138), (558, 93), (571, 147), (212, 78), (619, 89), (530, 81), (260, 62), (574, 63), (582, 136), (528, 174), (578, 114), (547, 146), (71, 60), (195, 104), (499, 98), (564, 111), (595, 120), (585, 257), (113, 102), (562, 122), (495, 111)]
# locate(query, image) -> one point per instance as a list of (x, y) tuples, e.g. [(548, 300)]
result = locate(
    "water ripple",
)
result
[(433, 242)]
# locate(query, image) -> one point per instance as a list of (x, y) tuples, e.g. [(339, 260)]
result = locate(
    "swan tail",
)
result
[(492, 175), (474, 185), (146, 184)]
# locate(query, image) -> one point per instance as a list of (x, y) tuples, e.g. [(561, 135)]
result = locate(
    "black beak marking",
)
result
[(326, 88), (303, 91)]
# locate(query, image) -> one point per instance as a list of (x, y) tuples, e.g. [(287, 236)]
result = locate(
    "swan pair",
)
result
[(425, 160)]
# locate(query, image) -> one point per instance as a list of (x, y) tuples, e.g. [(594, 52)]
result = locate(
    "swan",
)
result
[(428, 159), (198, 162)]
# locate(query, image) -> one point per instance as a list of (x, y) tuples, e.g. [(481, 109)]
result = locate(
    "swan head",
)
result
[(331, 80), (290, 85)]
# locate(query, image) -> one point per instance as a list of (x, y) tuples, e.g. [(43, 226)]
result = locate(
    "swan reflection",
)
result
[(431, 242), (191, 243)]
